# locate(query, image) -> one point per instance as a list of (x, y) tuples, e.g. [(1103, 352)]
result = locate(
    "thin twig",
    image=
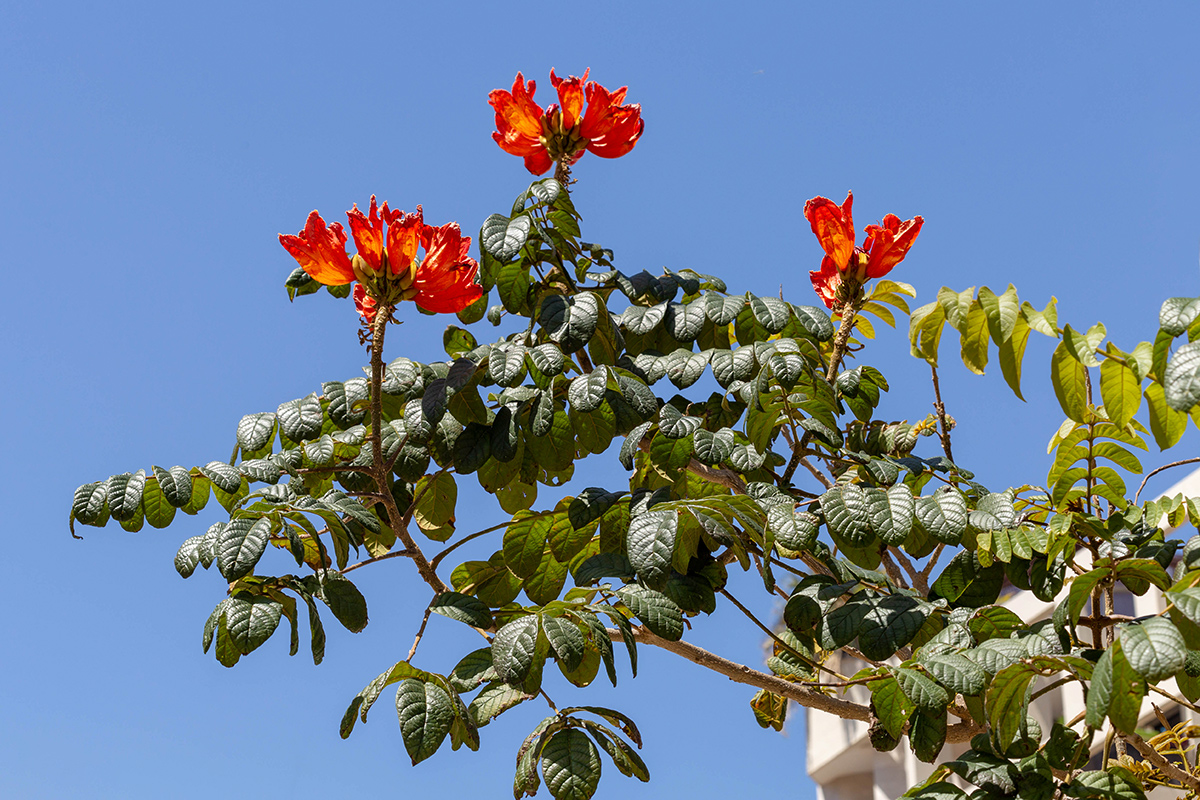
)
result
[(816, 473), (1154, 472), (1156, 758), (774, 636), (918, 582), (438, 558), (412, 651), (940, 408), (384, 557), (931, 563), (893, 572)]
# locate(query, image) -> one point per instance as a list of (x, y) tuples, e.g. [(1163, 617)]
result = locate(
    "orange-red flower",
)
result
[(885, 245), (608, 127), (386, 264)]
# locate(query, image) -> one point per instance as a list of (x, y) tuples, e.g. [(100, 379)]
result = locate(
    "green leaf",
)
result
[(1100, 691), (1069, 379), (1181, 380), (1187, 602), (251, 619), (957, 672), (975, 338), (943, 515), (547, 581), (514, 647), (1154, 648), (125, 495), (494, 700), (847, 514), (936, 791), (503, 237), (1011, 354), (1008, 700), (566, 639), (650, 542), (1120, 390), (771, 312), (925, 331), (159, 512), (927, 734), (1117, 783), (956, 306), (1044, 322), (1177, 314), (1083, 346), (925, 694), (187, 557), (344, 600), (1166, 423), (506, 363), (586, 392), (889, 624), (240, 546), (892, 706), (815, 321), (437, 496), (524, 542), (348, 402), (90, 504), (425, 712), (255, 432), (300, 419), (891, 513), (512, 284), (1002, 311), (657, 612), (463, 608), (1128, 691), (571, 765)]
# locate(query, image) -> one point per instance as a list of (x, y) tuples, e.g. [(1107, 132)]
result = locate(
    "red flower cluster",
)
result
[(885, 246), (386, 265), (607, 128)]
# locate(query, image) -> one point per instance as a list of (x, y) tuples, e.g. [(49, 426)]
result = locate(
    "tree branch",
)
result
[(1160, 762), (1154, 472), (740, 673), (398, 521), (940, 408)]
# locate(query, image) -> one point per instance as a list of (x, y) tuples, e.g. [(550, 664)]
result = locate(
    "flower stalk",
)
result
[(379, 469)]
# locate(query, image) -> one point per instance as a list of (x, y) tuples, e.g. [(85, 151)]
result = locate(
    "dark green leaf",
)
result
[(463, 608), (571, 765), (425, 712)]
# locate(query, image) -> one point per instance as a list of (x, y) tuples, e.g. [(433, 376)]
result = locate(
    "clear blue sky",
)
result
[(152, 152)]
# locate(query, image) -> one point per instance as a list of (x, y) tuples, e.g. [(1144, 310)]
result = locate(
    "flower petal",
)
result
[(368, 233), (445, 280), (888, 244), (626, 129), (570, 95), (403, 239), (365, 304), (321, 251), (834, 227), (517, 115), (826, 281), (538, 162)]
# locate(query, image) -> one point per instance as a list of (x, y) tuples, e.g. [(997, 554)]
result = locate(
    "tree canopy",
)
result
[(747, 429)]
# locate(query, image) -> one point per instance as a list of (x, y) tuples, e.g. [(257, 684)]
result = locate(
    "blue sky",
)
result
[(153, 152)]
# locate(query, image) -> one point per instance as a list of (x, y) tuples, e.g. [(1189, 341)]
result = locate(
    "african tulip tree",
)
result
[(749, 433)]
